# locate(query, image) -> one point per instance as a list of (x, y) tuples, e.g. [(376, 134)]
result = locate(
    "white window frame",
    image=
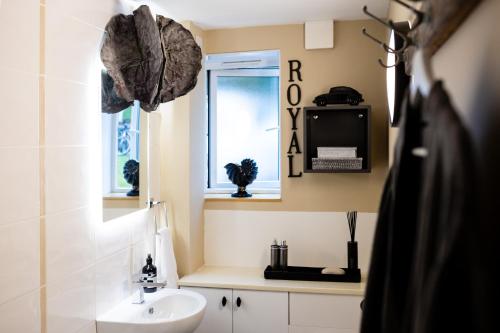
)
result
[(227, 187)]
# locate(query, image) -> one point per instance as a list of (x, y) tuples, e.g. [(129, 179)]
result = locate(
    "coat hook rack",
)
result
[(391, 25), (386, 47), (418, 14), (397, 62), (433, 23)]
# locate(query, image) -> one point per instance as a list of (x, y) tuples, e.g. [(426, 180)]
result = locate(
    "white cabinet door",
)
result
[(218, 315), (311, 329), (260, 311), (334, 311)]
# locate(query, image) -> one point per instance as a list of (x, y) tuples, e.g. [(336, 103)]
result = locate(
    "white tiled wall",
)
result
[(87, 264), (112, 283), (19, 165), (20, 259), (19, 22), (21, 314), (243, 238), (71, 302), (67, 102), (74, 232), (19, 95)]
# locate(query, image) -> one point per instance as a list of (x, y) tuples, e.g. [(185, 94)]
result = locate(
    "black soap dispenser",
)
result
[(149, 274)]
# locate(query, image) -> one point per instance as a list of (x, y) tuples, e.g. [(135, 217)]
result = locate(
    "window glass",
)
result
[(247, 124)]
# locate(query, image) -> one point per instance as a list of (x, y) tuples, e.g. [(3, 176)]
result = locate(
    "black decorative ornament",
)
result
[(339, 95), (131, 175), (242, 176)]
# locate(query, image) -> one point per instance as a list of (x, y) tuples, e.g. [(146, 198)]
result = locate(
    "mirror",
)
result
[(124, 161), (397, 80)]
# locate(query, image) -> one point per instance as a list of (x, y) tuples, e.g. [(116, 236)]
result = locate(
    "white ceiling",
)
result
[(214, 14)]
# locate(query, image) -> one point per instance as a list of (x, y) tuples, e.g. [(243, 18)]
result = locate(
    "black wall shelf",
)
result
[(337, 126)]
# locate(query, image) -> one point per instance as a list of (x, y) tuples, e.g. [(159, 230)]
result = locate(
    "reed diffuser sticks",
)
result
[(352, 245), (352, 216)]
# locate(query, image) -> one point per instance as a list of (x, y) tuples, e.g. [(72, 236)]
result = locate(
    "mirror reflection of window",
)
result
[(126, 130), (121, 143)]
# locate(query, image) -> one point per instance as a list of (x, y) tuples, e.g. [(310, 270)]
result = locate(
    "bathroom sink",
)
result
[(165, 311)]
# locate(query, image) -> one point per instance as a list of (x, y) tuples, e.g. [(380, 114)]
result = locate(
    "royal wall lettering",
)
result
[(294, 96)]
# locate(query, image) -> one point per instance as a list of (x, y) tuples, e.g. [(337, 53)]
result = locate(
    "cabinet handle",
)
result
[(224, 301), (238, 302), (362, 304)]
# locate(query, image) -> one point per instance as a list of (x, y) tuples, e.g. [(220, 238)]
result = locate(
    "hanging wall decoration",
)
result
[(294, 96), (132, 54), (135, 51)]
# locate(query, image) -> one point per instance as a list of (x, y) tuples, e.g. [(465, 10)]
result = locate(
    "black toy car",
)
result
[(339, 95)]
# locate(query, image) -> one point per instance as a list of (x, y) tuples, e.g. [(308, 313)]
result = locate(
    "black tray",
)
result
[(312, 274)]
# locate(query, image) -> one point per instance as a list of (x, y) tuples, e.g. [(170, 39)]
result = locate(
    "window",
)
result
[(121, 142), (244, 122)]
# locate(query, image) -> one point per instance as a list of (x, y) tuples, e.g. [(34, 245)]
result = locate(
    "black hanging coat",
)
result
[(444, 297), (391, 265), (420, 275)]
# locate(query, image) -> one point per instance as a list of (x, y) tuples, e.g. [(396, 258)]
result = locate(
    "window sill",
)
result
[(118, 196), (254, 198)]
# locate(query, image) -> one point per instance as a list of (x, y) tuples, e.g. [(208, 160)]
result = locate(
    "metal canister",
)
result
[(275, 255), (283, 256)]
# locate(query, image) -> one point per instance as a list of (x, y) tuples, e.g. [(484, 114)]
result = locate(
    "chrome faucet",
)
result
[(143, 285)]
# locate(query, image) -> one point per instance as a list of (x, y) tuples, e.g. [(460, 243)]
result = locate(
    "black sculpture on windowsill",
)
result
[(242, 176), (131, 175)]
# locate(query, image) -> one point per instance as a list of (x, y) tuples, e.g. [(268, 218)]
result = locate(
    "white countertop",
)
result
[(253, 279)]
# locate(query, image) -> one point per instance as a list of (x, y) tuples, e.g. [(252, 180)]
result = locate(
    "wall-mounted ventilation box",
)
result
[(318, 35), (337, 127)]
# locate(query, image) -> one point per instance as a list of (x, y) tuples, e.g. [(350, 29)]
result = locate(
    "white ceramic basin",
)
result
[(166, 311)]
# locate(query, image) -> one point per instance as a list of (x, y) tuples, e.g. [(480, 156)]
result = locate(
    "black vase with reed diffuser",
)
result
[(352, 245)]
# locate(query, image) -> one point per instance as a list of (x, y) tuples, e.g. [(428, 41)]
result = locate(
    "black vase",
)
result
[(352, 255)]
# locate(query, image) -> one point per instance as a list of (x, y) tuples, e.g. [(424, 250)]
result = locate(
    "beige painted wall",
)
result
[(197, 137), (183, 127), (182, 165), (352, 62)]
